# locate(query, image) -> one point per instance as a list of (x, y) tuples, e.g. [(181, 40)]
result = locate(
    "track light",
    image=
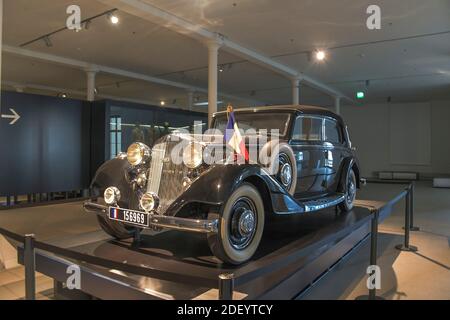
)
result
[(220, 68), (62, 95), (113, 18), (320, 55), (48, 42)]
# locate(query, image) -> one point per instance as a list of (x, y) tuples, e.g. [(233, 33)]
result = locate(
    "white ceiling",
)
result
[(411, 68)]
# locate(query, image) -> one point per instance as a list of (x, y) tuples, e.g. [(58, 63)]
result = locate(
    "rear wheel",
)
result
[(240, 228), (350, 194)]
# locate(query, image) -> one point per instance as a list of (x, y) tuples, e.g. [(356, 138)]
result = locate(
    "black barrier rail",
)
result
[(45, 198), (225, 282), (408, 194)]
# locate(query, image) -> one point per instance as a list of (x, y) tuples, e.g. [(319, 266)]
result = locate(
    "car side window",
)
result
[(333, 133), (308, 129)]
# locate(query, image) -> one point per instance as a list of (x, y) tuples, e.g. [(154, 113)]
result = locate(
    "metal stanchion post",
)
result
[(406, 246), (411, 225), (373, 255), (30, 267), (226, 286)]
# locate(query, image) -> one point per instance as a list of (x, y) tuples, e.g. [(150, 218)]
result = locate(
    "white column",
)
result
[(90, 91), (190, 99), (295, 91), (337, 105), (213, 50), (1, 49)]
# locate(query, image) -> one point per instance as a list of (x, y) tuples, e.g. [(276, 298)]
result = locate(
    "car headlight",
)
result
[(149, 201), (138, 153), (193, 155), (111, 195)]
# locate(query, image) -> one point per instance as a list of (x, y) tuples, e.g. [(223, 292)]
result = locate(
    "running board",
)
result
[(325, 202)]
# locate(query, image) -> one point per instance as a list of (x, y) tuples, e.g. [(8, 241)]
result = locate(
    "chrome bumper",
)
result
[(168, 222)]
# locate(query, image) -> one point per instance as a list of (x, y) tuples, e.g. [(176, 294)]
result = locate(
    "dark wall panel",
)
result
[(48, 149)]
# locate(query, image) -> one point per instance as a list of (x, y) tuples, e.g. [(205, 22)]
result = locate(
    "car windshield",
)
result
[(256, 121)]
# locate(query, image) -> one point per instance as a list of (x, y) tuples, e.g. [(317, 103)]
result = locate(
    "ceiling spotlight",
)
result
[(62, 95), (320, 55), (220, 68), (113, 18), (162, 103), (48, 42)]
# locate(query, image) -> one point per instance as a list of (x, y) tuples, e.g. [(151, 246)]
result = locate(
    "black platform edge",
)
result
[(339, 245)]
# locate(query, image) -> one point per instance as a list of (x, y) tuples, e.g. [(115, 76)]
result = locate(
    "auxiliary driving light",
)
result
[(149, 201), (112, 195)]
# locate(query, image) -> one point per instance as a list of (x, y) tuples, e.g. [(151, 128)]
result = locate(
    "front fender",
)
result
[(215, 186), (114, 173)]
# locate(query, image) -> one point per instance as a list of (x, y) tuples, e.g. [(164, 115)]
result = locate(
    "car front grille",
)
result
[(165, 177)]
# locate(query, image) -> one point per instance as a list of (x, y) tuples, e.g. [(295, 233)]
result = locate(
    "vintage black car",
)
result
[(228, 201)]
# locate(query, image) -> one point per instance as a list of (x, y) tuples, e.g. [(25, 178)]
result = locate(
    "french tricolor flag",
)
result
[(114, 213), (233, 137)]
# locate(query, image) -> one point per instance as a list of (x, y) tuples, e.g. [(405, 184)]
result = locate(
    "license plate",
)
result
[(129, 216)]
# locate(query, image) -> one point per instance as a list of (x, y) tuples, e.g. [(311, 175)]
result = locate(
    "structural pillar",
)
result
[(295, 91), (1, 49), (190, 99), (337, 105), (213, 50), (90, 91)]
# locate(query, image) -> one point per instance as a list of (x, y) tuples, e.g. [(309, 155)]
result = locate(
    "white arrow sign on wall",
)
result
[(14, 116)]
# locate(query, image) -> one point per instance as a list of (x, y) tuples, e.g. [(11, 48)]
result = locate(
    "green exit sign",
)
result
[(360, 95)]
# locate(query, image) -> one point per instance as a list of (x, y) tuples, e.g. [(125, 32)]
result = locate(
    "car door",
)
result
[(307, 145), (333, 147)]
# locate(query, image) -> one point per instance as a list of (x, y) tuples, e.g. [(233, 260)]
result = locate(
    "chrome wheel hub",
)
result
[(351, 191), (246, 223), (243, 222), (286, 174)]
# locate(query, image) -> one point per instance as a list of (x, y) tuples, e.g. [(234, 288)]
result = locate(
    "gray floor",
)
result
[(404, 275), (421, 275)]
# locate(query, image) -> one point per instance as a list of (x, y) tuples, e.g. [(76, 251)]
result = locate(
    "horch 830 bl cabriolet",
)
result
[(310, 165)]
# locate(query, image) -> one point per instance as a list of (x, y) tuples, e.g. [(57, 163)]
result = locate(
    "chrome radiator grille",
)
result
[(165, 177)]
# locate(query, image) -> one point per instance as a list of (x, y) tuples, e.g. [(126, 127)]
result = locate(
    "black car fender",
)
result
[(349, 163), (114, 173), (215, 186)]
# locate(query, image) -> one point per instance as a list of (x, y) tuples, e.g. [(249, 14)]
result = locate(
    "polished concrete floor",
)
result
[(404, 275)]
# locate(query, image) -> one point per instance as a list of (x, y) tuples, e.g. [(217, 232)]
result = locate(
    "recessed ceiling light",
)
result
[(113, 18), (163, 103), (320, 55)]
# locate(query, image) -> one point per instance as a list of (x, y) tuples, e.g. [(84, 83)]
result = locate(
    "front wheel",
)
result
[(350, 194), (240, 226)]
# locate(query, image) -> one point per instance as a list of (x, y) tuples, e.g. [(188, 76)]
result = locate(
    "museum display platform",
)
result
[(296, 251)]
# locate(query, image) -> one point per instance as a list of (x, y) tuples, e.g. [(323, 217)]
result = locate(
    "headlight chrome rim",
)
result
[(193, 155), (149, 201), (111, 195), (138, 153)]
